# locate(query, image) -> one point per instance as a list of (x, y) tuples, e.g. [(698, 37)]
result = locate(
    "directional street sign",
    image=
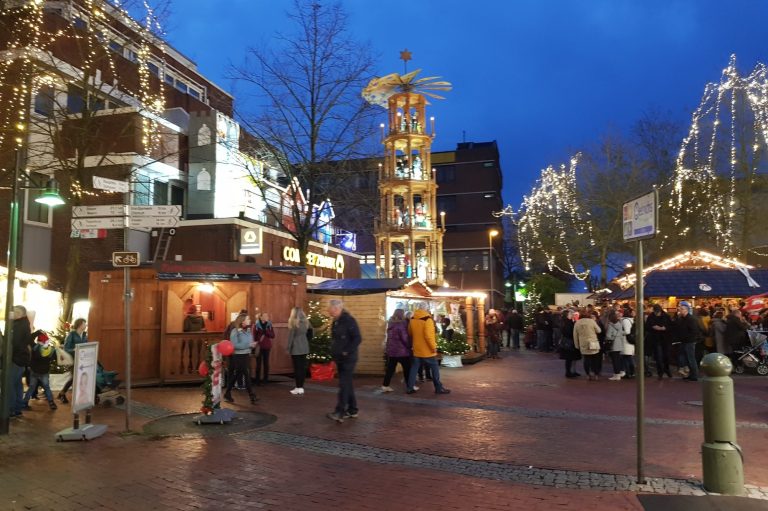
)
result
[(109, 210), (141, 211), (110, 185), (125, 259), (154, 221), (112, 222)]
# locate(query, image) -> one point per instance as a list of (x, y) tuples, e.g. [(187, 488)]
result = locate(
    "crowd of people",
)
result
[(592, 334)]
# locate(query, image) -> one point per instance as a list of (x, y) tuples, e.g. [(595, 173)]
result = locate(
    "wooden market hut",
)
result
[(367, 300), (161, 351), (699, 277)]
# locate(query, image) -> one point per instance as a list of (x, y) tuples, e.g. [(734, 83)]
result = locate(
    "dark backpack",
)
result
[(631, 335)]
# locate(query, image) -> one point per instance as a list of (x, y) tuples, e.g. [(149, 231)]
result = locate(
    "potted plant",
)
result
[(321, 366), (452, 349)]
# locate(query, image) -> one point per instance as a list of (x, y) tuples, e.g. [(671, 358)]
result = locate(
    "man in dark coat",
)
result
[(689, 332), (346, 340), (736, 330), (515, 325), (657, 328), (22, 342)]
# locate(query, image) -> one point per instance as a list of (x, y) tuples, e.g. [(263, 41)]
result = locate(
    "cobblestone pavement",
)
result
[(513, 434)]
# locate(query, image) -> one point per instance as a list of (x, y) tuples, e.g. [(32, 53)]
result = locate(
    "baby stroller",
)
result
[(106, 387), (754, 356)]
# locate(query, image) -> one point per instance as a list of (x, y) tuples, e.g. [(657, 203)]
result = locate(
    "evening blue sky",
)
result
[(543, 78)]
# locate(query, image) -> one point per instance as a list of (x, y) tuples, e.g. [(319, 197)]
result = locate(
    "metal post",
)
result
[(127, 298), (640, 349), (490, 265), (13, 247), (721, 457)]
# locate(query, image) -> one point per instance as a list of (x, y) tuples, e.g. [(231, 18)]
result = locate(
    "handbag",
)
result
[(629, 349), (63, 358), (594, 345)]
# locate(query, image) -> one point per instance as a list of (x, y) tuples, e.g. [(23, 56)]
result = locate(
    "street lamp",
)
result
[(50, 197), (491, 234)]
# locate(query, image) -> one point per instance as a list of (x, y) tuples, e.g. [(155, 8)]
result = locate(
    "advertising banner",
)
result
[(640, 218), (86, 365)]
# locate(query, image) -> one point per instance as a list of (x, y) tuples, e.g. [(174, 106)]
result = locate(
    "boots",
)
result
[(63, 398), (228, 397), (52, 405)]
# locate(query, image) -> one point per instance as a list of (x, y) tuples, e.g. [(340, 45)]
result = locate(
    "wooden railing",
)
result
[(182, 353)]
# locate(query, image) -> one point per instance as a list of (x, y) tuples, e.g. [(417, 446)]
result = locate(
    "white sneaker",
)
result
[(415, 387), (622, 373), (298, 391), (615, 377), (387, 389)]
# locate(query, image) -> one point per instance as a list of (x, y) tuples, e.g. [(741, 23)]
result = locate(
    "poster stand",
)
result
[(83, 395)]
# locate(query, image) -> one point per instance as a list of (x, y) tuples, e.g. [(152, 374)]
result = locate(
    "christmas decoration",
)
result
[(203, 369), (225, 347), (720, 159), (207, 385), (550, 219), (320, 344), (456, 346)]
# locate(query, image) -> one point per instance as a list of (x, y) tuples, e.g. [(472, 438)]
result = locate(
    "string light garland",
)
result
[(690, 258), (30, 59), (713, 163), (550, 220)]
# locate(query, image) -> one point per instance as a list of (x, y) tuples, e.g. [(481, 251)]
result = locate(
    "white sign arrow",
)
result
[(154, 221), (108, 210), (110, 185), (141, 211), (113, 222)]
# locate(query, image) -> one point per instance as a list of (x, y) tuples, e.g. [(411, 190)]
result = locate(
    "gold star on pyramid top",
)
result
[(405, 55)]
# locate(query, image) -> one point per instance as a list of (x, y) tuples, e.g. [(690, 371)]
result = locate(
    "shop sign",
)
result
[(291, 254), (250, 241), (640, 217)]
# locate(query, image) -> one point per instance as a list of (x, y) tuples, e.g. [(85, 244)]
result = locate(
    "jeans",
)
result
[(238, 365), (617, 361), (593, 364), (629, 364), (262, 360), (346, 399), (299, 369), (43, 380), (493, 347), (541, 340), (515, 335), (16, 399), (429, 362), (689, 355), (405, 363), (661, 354)]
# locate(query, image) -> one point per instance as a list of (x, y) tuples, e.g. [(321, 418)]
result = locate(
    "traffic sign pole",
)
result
[(127, 298)]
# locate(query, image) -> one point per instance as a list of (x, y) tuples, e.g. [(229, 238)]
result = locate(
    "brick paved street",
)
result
[(514, 434)]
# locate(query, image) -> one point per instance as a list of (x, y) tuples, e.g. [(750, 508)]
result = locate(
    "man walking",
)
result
[(22, 342), (422, 331), (346, 340)]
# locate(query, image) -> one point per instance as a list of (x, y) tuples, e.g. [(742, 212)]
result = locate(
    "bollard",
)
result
[(720, 455)]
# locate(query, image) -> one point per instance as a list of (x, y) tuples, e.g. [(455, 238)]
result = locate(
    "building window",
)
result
[(131, 55), (446, 174), (160, 193), (34, 212), (446, 203), (169, 79), (116, 47), (80, 23), (75, 99), (181, 86), (153, 68), (194, 93), (142, 191), (466, 260), (44, 100)]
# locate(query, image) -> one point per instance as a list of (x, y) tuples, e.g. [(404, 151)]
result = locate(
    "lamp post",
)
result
[(491, 234), (50, 197)]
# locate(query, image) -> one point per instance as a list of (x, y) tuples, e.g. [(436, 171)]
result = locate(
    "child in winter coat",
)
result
[(42, 354)]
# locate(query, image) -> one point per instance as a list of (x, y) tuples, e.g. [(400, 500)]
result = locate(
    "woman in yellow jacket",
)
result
[(422, 330)]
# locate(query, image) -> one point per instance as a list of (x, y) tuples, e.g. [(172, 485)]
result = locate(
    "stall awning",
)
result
[(359, 286), (699, 283)]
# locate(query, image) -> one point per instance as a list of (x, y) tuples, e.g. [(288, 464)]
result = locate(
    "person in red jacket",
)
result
[(263, 333)]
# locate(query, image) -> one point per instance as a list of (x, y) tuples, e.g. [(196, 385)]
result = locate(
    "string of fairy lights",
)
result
[(30, 63), (549, 219), (714, 161)]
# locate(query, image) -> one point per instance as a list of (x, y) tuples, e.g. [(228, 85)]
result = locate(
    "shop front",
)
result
[(166, 294)]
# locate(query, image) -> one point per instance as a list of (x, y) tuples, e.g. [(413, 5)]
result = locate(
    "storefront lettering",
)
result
[(292, 255)]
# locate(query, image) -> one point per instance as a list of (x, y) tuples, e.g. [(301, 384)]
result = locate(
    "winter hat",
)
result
[(685, 304), (42, 338)]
